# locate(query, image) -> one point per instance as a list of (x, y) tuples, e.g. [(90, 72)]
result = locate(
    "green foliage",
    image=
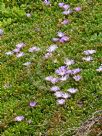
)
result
[(27, 84)]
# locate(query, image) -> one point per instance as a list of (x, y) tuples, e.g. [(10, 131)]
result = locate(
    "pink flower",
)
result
[(46, 2), (88, 58), (66, 7), (61, 101), (53, 80), (64, 39), (72, 90), (52, 48), (61, 4), (67, 12), (28, 15), (32, 49), (21, 54), (20, 45), (47, 55), (19, 118), (69, 62), (77, 78), (77, 9), (48, 78), (61, 71), (55, 88), (89, 52), (32, 104), (60, 34), (75, 71), (66, 95), (65, 22), (16, 50), (58, 94), (64, 78)]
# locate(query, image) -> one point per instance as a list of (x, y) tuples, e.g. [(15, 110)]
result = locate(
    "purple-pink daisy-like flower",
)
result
[(32, 49), (69, 62), (55, 88), (65, 22), (32, 104), (20, 45), (55, 39), (64, 78), (69, 71), (48, 55), (61, 71), (89, 52), (48, 78), (77, 77), (61, 4), (88, 58), (19, 118), (72, 90), (52, 48), (61, 101), (52, 79), (16, 50), (60, 34), (77, 9), (66, 7), (20, 54), (58, 94), (66, 95), (75, 71), (64, 39), (67, 12), (46, 2)]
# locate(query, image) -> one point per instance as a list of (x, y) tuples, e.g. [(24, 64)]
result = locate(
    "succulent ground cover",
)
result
[(51, 66)]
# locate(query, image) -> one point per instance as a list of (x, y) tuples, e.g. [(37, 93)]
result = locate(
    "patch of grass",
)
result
[(27, 84)]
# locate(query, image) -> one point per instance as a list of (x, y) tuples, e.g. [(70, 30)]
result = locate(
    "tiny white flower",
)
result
[(28, 15), (9, 53), (26, 63)]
